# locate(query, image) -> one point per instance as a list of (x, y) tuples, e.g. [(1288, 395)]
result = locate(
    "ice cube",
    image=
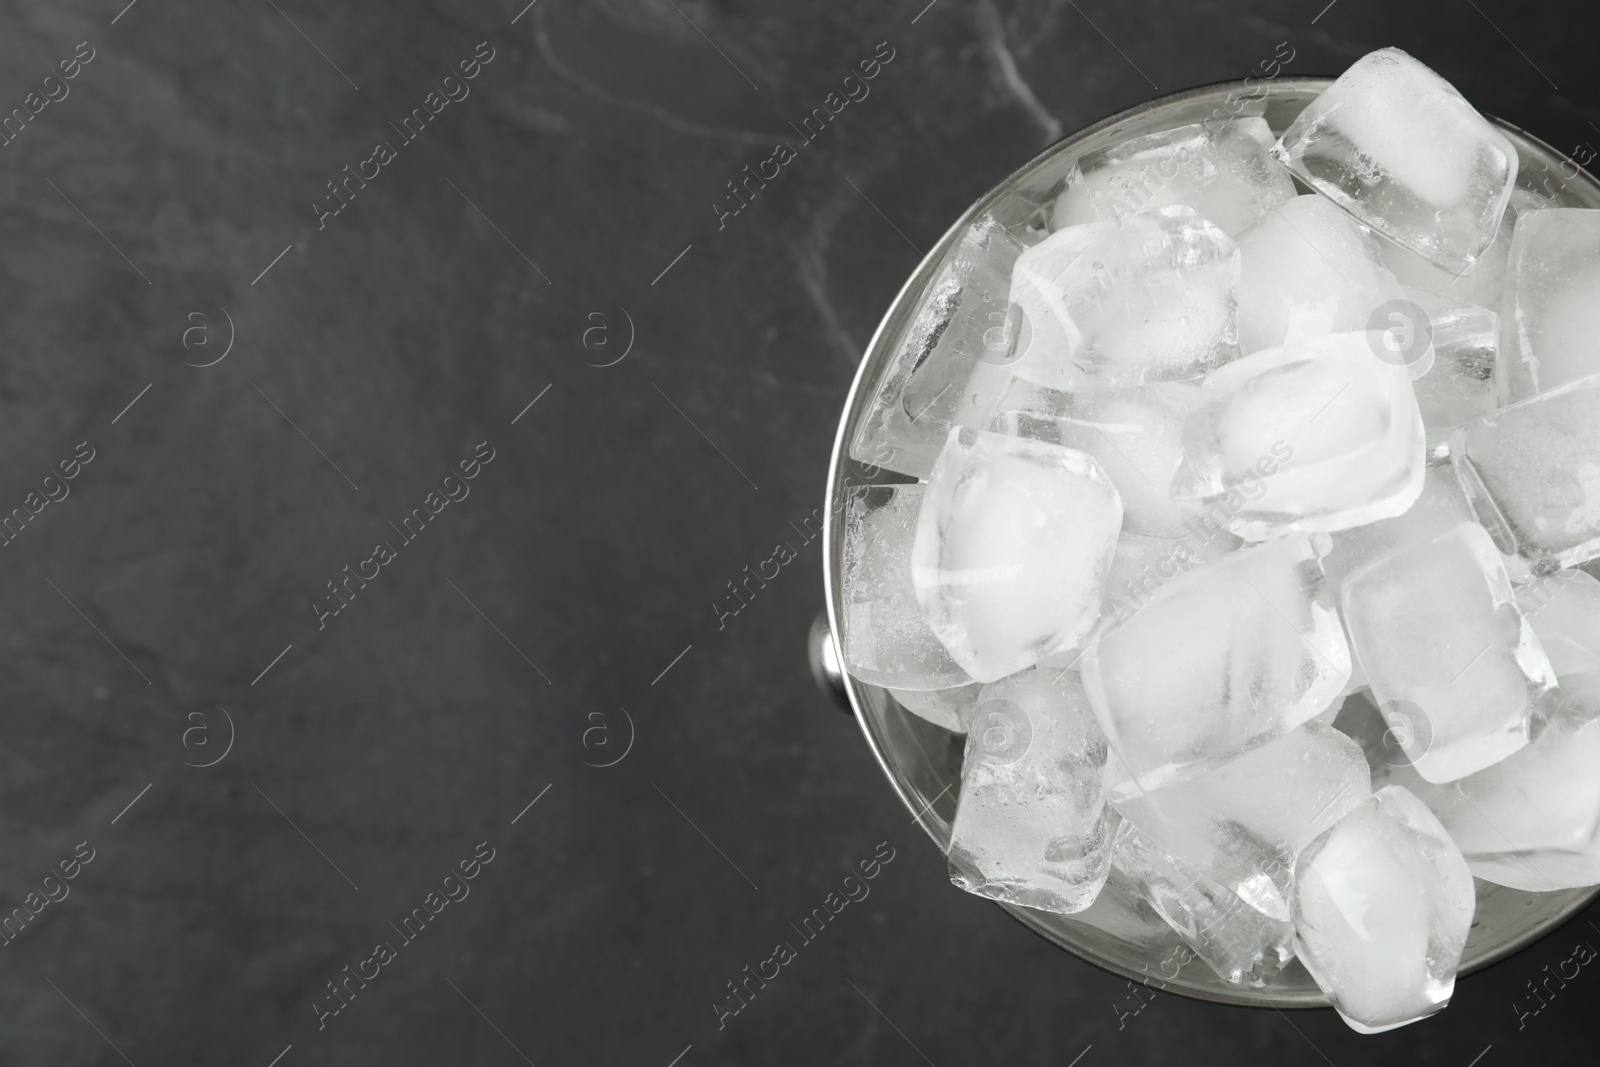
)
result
[(1281, 795), (886, 639), (1108, 305), (1285, 792), (1122, 911), (1550, 329), (1358, 681), (1441, 506), (1257, 129), (1141, 565), (1451, 659), (1395, 145), (1243, 944), (952, 363), (1031, 824), (1318, 435), (1012, 549), (1532, 473), (1532, 821), (1221, 659), (1023, 407), (950, 709), (1564, 610), (1307, 269), (1327, 715), (1459, 386), (1134, 435), (1219, 169), (1438, 290), (1383, 902)]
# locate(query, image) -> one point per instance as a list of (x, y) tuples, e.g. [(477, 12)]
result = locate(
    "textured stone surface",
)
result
[(600, 541)]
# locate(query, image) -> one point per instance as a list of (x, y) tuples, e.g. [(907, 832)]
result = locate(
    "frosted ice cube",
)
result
[(1031, 824), (1441, 506), (1532, 821), (1318, 435), (1012, 549), (1564, 610), (1459, 386), (951, 365), (1532, 473), (1395, 145), (1550, 329), (1282, 795), (1220, 169), (950, 709), (1383, 902), (1135, 436), (1307, 269), (886, 639), (1243, 944), (1451, 659), (1108, 305), (1221, 659)]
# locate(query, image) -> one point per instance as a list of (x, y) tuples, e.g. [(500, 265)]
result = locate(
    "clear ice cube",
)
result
[(1532, 473), (1221, 659), (1327, 715), (1441, 506), (1220, 169), (886, 639), (1012, 548), (1307, 269), (1399, 148), (1532, 821), (1108, 305), (950, 709), (1550, 326), (1022, 408), (1459, 386), (1438, 290), (952, 363), (1244, 945), (1564, 611), (1257, 129), (1383, 902), (1122, 911), (1318, 435), (1452, 661), (1141, 565), (1134, 435), (1280, 796), (1285, 792), (1031, 824)]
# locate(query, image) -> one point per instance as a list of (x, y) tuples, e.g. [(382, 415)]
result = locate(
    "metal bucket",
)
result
[(923, 762)]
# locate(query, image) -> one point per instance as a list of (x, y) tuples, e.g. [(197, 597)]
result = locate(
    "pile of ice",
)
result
[(1239, 534)]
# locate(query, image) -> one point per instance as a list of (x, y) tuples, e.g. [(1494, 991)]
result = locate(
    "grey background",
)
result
[(378, 352)]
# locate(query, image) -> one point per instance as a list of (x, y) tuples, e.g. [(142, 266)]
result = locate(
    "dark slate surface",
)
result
[(523, 635)]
